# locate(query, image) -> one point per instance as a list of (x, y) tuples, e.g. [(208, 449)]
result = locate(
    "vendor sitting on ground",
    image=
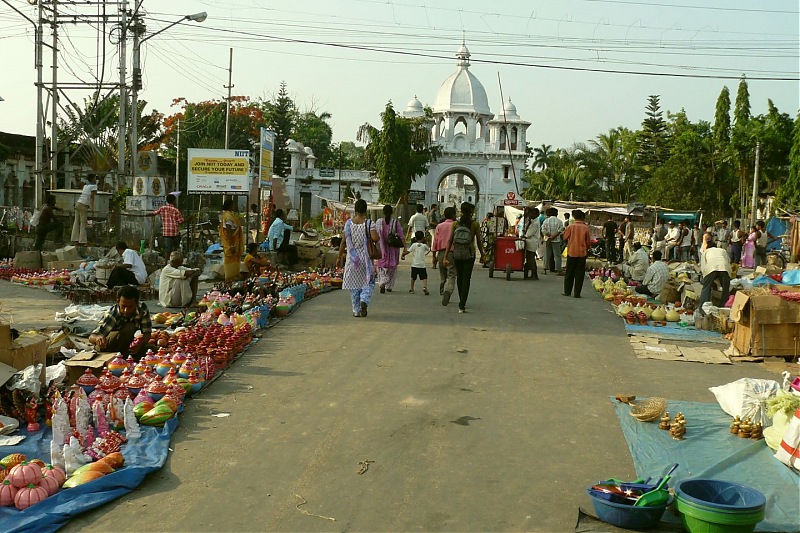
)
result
[(254, 262), (636, 265), (115, 331), (177, 286), (278, 237), (131, 272), (655, 278)]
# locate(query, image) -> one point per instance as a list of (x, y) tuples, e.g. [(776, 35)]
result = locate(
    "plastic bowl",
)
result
[(626, 516), (714, 506)]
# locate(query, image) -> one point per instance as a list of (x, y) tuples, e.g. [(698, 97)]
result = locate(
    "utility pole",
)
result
[(54, 101), (228, 100), (754, 199), (178, 159), (123, 94), (340, 171), (138, 29)]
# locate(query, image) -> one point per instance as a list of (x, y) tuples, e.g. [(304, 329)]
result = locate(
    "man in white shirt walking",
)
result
[(552, 229), (418, 222)]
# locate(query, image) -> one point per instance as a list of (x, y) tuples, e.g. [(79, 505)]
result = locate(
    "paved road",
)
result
[(492, 420)]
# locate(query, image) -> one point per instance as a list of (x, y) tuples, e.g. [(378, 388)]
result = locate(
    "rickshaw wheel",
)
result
[(508, 272)]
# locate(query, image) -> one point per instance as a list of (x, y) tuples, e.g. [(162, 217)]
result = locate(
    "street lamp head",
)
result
[(197, 17)]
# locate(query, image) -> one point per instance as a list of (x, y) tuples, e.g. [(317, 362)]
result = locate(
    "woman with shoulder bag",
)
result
[(463, 244), (391, 240), (359, 271)]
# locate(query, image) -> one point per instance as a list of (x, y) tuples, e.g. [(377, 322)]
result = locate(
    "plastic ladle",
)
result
[(657, 496)]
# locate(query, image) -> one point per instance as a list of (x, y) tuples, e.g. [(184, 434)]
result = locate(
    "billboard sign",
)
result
[(225, 171), (267, 154)]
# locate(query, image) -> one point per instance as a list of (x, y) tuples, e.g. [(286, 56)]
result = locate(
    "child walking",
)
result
[(418, 251)]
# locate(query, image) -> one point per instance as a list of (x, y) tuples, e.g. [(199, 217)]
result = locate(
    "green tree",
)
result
[(722, 120), (92, 132), (653, 149), (542, 156), (280, 116), (789, 191), (400, 151), (202, 125), (682, 181), (565, 177), (724, 180), (348, 156), (742, 144), (313, 130), (612, 161)]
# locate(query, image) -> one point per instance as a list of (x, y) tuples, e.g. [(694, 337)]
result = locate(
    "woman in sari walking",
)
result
[(359, 271), (232, 240)]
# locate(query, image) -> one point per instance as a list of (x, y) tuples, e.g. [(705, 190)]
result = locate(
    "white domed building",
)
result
[(481, 153)]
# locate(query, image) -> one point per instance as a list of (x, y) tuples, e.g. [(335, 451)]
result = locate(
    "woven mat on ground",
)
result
[(710, 451)]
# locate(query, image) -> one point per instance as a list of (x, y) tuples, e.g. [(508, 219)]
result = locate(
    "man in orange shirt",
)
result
[(579, 241)]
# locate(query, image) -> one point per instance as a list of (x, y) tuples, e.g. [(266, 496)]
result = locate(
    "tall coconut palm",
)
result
[(542, 156)]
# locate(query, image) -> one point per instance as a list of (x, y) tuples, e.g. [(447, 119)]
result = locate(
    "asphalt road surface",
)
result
[(493, 420)]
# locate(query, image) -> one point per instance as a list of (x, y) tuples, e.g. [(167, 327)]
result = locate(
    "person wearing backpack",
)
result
[(463, 239)]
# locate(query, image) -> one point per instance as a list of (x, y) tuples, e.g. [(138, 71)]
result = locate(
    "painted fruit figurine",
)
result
[(10, 461), (55, 472), (79, 479), (114, 459), (29, 495), (25, 474), (7, 493), (50, 484)]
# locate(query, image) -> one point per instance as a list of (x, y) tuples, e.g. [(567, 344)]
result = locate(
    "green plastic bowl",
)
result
[(713, 506)]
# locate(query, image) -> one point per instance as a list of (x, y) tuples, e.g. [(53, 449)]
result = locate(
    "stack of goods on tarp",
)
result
[(763, 408), (42, 277), (9, 271), (26, 482)]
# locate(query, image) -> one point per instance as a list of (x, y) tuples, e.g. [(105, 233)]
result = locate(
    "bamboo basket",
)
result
[(648, 410)]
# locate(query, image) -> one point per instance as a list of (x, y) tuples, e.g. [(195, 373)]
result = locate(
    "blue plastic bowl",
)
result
[(721, 496), (626, 516)]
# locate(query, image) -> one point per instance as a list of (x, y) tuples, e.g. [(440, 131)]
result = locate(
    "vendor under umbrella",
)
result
[(115, 331)]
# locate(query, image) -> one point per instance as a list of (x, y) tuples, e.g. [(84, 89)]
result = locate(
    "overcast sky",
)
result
[(564, 63)]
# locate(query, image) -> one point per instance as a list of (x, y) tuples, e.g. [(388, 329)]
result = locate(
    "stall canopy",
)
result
[(679, 216), (343, 206)]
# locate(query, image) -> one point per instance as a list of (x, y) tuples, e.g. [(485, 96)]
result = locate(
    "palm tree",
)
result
[(542, 156)]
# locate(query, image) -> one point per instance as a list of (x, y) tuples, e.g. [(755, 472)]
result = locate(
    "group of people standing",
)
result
[(455, 252), (683, 242)]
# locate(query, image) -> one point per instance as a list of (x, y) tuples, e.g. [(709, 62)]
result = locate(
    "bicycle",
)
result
[(197, 237)]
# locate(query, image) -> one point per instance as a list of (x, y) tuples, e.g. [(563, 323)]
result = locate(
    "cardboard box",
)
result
[(28, 260), (68, 253), (28, 349), (64, 265), (766, 325), (48, 257), (83, 360), (5, 334)]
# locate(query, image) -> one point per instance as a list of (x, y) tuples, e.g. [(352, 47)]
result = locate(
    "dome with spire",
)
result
[(510, 111), (462, 92), (414, 108)]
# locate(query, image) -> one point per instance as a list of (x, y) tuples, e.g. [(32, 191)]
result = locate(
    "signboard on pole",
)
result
[(225, 171), (267, 153), (416, 197)]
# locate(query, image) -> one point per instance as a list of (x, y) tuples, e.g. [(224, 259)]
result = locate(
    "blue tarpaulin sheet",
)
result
[(147, 455), (711, 451), (672, 331)]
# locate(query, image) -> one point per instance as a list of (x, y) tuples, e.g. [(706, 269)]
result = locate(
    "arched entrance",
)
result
[(457, 187)]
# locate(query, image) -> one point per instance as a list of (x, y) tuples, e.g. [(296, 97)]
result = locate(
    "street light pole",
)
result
[(138, 31)]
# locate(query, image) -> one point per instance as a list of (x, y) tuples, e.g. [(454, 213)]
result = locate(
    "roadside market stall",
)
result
[(97, 423)]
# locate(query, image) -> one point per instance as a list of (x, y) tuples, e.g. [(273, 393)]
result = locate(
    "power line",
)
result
[(685, 6)]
